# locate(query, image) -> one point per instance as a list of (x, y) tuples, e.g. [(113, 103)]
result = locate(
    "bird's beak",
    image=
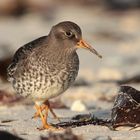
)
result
[(83, 44)]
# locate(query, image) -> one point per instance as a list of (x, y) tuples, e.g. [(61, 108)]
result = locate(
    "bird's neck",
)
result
[(61, 55), (58, 53)]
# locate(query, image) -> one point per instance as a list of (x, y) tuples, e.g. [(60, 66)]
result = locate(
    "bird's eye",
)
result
[(69, 34)]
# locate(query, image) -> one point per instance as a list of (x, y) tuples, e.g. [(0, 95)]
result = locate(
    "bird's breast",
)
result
[(61, 80), (46, 80)]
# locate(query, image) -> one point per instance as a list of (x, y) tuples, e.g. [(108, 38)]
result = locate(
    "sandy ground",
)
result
[(116, 37), (25, 127)]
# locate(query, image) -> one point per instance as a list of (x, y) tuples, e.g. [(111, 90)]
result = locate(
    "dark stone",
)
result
[(126, 110)]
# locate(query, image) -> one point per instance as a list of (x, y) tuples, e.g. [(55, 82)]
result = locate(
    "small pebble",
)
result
[(78, 105)]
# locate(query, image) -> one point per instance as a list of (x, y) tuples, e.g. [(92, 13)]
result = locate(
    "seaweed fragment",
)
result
[(83, 119)]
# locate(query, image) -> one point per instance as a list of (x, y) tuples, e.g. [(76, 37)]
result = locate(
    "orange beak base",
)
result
[(83, 44)]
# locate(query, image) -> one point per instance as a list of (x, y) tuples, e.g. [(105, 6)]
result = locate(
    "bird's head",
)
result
[(69, 35)]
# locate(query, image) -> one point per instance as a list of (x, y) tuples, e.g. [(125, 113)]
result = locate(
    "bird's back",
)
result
[(21, 54)]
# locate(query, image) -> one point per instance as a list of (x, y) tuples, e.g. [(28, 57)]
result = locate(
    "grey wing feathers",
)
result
[(21, 54)]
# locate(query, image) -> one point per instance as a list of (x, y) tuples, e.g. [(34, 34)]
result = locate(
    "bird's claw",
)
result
[(51, 128)]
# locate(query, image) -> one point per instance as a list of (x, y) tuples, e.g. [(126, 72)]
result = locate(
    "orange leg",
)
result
[(51, 110), (44, 118), (36, 115), (43, 107)]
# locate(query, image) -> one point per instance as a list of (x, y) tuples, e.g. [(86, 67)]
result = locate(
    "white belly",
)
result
[(50, 90)]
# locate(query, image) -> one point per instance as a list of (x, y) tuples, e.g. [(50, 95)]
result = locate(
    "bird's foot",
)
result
[(44, 115), (52, 112), (51, 128), (42, 108)]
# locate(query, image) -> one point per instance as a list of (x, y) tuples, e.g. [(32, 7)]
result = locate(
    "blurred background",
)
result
[(111, 26)]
